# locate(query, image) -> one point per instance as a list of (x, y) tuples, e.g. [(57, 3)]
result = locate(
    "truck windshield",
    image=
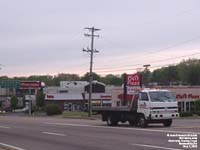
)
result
[(162, 96)]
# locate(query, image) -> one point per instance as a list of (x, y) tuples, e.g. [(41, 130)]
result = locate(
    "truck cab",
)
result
[(156, 106)]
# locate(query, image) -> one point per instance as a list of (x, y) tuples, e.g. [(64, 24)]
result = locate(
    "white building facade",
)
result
[(74, 95)]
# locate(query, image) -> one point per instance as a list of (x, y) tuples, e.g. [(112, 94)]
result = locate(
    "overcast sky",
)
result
[(46, 36)]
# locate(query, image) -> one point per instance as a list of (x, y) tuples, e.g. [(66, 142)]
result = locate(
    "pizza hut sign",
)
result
[(133, 80)]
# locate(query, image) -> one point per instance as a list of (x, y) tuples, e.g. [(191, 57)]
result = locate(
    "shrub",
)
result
[(186, 114), (198, 113), (197, 105), (40, 99), (13, 102), (53, 109)]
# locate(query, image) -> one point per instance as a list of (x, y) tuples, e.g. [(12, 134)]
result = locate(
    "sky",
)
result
[(46, 37)]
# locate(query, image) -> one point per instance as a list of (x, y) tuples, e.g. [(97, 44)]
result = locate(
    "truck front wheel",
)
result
[(142, 121), (111, 120), (167, 123)]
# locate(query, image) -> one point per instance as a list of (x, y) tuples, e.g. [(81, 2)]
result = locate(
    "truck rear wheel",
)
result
[(142, 121), (112, 120), (132, 122), (167, 123)]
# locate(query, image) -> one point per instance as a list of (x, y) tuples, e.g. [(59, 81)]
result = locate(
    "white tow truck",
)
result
[(147, 106)]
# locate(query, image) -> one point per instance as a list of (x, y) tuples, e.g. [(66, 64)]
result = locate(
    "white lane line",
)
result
[(185, 127), (51, 133), (119, 128), (154, 146), (4, 127), (6, 146)]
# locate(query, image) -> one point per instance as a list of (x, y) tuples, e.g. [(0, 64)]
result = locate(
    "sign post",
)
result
[(125, 90), (30, 103), (28, 85)]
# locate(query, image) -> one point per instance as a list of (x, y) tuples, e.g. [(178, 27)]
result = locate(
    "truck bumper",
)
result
[(163, 116)]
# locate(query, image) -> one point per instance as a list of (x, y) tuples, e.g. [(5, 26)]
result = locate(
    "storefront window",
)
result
[(187, 106)]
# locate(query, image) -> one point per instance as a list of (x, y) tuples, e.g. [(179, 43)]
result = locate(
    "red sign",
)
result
[(133, 80), (187, 96), (31, 85), (106, 97), (50, 97)]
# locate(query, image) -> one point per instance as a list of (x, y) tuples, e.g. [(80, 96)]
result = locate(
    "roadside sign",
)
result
[(30, 85), (132, 89), (133, 80), (132, 84)]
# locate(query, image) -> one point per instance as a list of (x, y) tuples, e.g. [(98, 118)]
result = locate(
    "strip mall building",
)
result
[(185, 95), (73, 95)]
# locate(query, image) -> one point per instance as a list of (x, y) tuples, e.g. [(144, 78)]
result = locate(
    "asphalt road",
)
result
[(45, 133)]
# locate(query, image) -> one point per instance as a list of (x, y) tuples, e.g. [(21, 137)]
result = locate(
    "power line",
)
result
[(147, 53), (128, 69), (166, 65), (175, 45), (139, 64), (135, 69)]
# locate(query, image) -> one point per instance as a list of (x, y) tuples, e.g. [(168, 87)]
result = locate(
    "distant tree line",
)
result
[(186, 72)]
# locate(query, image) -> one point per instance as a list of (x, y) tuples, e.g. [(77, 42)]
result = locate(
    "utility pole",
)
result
[(91, 51), (146, 75), (146, 66)]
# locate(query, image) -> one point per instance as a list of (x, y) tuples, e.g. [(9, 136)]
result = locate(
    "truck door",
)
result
[(144, 104)]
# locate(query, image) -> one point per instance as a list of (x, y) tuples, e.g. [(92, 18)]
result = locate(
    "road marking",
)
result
[(51, 133), (6, 146), (153, 146), (119, 128), (187, 127), (4, 127)]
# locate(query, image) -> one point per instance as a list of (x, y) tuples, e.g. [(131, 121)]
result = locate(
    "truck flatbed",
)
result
[(108, 108)]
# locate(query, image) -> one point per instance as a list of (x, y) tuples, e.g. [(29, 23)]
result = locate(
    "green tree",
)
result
[(40, 98), (112, 80), (197, 105), (189, 72), (65, 77), (13, 102), (4, 78), (166, 75), (95, 76), (47, 79)]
